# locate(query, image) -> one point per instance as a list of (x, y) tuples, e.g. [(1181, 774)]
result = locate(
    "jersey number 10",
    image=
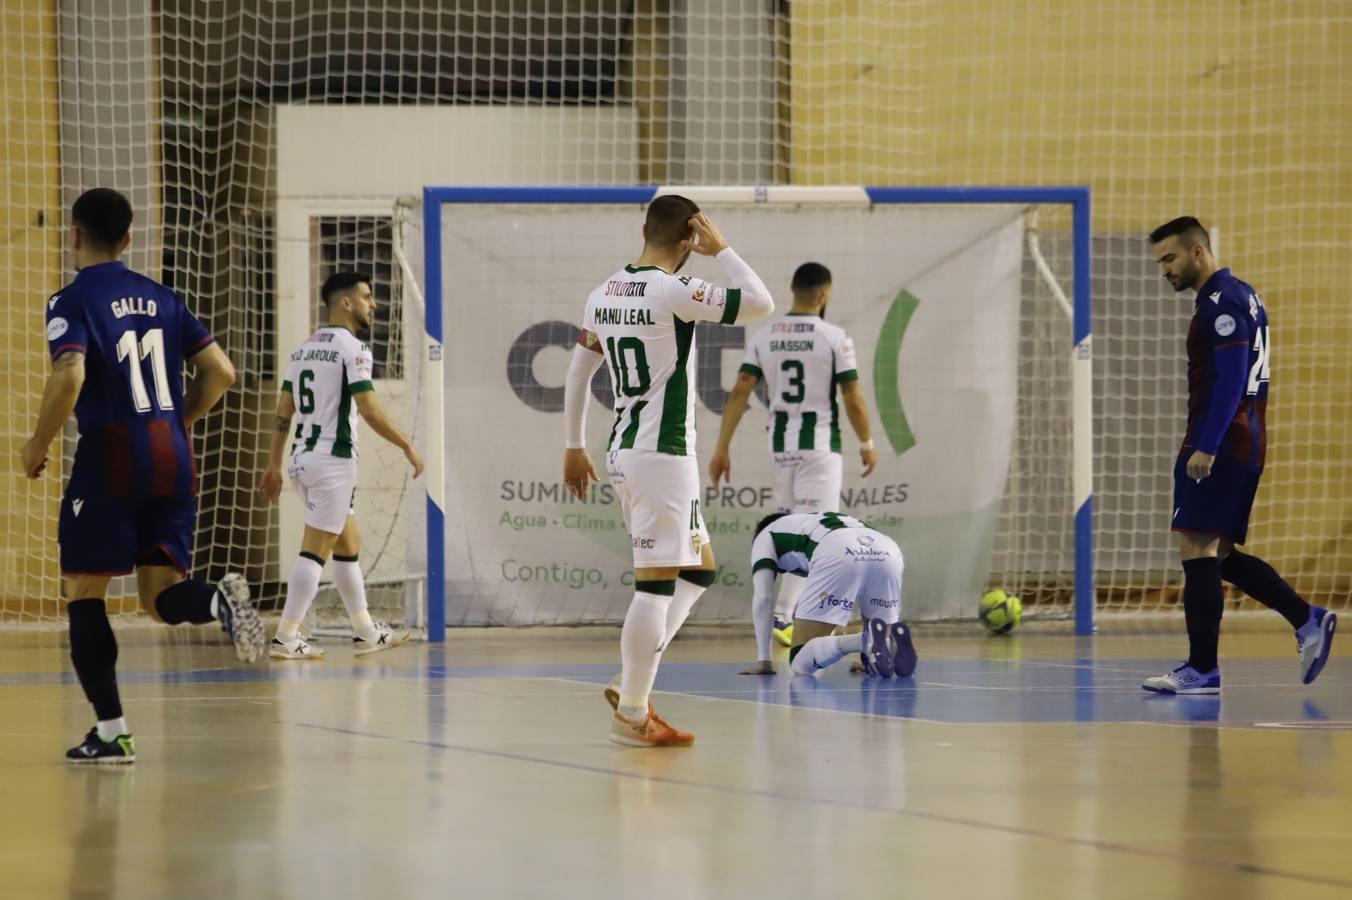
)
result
[(150, 345), (1262, 367), (622, 352)]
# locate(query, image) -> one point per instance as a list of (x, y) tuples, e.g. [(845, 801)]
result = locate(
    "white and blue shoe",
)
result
[(877, 649), (904, 657), (239, 619), (1314, 642), (1185, 680)]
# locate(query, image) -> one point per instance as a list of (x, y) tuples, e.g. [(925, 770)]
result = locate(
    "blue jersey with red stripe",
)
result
[(135, 334), (1229, 366)]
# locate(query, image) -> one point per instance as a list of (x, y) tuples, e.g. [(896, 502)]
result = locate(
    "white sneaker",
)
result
[(297, 649), (1185, 680), (384, 638), (239, 619)]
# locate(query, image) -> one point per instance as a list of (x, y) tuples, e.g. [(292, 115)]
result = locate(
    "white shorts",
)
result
[(808, 481), (659, 497), (326, 485), (853, 568)]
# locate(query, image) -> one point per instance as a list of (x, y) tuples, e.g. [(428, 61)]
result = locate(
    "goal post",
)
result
[(1016, 510)]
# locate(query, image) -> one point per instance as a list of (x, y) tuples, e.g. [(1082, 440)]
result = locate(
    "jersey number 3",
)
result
[(1262, 367), (797, 390), (151, 345)]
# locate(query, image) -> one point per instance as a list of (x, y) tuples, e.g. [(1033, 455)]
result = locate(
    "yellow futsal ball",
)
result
[(1000, 612)]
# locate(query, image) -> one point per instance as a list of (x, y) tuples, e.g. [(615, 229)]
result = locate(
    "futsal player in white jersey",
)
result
[(641, 323), (803, 360), (327, 377), (847, 566)]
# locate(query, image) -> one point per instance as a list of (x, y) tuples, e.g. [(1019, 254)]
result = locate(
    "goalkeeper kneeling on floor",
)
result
[(846, 564)]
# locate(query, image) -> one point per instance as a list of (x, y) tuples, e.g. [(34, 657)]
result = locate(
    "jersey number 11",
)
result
[(151, 345)]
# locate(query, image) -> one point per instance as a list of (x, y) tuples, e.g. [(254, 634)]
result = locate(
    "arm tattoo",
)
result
[(67, 360), (284, 424)]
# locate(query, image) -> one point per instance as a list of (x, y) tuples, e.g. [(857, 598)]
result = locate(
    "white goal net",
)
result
[(187, 106)]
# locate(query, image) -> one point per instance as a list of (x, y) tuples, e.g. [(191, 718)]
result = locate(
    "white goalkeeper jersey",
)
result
[(323, 377), (802, 359), (788, 543), (642, 321)]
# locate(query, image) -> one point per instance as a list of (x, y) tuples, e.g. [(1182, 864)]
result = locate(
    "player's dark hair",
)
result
[(768, 521), (668, 221), (340, 283), (810, 276), (1186, 227), (103, 217)]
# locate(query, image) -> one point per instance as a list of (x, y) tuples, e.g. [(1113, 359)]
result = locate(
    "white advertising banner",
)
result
[(930, 296)]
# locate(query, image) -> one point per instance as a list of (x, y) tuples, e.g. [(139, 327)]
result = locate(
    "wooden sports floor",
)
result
[(1032, 766)]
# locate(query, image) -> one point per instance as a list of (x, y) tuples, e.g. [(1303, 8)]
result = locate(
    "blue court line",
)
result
[(951, 691), (1243, 868)]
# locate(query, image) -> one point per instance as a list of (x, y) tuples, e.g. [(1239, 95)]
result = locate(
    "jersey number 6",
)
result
[(307, 396)]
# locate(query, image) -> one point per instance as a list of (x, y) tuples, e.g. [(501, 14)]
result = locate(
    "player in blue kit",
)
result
[(118, 341), (1221, 461)]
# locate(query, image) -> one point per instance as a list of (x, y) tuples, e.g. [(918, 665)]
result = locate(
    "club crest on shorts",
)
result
[(696, 540)]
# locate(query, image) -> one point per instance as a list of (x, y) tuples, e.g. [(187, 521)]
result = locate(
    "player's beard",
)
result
[(681, 265), (1187, 279)]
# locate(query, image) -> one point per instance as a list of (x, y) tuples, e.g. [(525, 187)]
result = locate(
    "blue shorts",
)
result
[(1219, 504), (113, 536)]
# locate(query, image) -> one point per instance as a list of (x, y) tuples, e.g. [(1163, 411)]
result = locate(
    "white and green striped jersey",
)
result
[(787, 543), (802, 359), (642, 321), (328, 370)]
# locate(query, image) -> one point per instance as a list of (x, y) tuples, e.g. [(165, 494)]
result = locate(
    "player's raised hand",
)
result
[(414, 460), (33, 458), (720, 467), (578, 472), (764, 667), (1199, 465), (708, 240), (270, 484)]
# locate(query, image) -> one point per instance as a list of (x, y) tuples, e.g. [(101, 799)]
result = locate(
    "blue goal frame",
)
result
[(1076, 197)]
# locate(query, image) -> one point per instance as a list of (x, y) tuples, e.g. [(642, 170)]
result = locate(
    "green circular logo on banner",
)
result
[(887, 372)]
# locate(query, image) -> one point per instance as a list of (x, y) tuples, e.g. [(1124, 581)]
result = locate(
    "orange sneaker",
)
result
[(651, 732), (686, 738)]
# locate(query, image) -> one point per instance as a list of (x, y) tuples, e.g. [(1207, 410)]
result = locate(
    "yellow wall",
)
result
[(30, 261), (30, 266), (1240, 113)]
